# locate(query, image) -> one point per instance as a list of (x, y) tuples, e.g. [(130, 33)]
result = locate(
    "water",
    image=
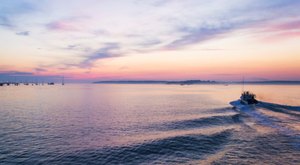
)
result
[(147, 124)]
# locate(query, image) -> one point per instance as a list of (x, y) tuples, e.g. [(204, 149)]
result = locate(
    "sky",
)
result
[(94, 40)]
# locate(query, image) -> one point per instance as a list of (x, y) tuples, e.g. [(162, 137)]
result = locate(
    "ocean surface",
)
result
[(148, 124)]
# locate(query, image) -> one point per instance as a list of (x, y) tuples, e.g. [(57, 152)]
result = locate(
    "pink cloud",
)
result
[(69, 24), (293, 25), (282, 36), (282, 31), (62, 25)]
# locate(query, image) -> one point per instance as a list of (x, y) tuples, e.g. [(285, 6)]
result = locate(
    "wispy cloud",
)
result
[(15, 73), (78, 47), (62, 26), (68, 24), (10, 9), (124, 68), (74, 46), (284, 30), (105, 52), (71, 35), (40, 70), (255, 13), (280, 36), (149, 43), (24, 33), (26, 77), (196, 35), (290, 25), (5, 22), (258, 79)]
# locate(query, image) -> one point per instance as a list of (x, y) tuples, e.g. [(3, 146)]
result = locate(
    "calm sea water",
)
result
[(147, 124)]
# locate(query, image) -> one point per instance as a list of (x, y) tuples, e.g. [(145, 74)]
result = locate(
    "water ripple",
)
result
[(185, 147)]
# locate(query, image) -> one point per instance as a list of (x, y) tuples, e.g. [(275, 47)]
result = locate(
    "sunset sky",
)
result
[(89, 40)]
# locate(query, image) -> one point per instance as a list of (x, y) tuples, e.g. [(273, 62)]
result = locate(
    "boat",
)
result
[(246, 102), (51, 83), (248, 98)]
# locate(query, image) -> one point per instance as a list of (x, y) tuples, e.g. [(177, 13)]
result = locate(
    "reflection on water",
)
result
[(147, 124)]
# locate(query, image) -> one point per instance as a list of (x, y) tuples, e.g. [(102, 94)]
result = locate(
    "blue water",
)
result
[(147, 124)]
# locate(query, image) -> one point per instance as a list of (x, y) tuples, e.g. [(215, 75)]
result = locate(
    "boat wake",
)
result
[(163, 151), (244, 144), (248, 134), (272, 115)]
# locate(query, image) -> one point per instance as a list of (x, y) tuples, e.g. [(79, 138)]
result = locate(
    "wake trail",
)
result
[(265, 120)]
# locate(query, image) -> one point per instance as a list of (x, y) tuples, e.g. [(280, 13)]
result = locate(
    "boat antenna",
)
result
[(243, 84), (63, 80)]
